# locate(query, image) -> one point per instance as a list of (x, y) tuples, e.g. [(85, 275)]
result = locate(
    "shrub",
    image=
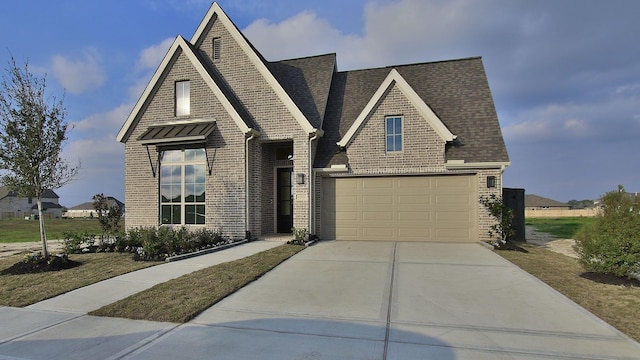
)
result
[(158, 243), (204, 238), (502, 229), (612, 244), (300, 236), (75, 242)]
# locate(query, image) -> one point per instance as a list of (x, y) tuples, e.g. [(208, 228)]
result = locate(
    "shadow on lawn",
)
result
[(512, 246)]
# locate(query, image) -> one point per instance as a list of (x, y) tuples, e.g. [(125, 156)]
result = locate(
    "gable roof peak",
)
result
[(216, 12), (425, 111), (182, 44)]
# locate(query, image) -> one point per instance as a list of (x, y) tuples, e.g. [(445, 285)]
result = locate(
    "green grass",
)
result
[(27, 289), (615, 300), (562, 228), (183, 298), (20, 230)]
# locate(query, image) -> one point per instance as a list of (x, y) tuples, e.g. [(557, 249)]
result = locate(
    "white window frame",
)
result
[(182, 163), (395, 134), (183, 98)]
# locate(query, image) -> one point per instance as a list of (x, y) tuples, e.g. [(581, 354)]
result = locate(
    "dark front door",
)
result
[(284, 211)]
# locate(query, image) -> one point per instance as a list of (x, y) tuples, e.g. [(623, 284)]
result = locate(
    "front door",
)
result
[(284, 208)]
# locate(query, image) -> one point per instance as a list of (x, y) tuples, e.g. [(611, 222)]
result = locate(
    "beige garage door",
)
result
[(400, 208)]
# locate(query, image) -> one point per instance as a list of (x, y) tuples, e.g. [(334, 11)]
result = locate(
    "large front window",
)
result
[(182, 186)]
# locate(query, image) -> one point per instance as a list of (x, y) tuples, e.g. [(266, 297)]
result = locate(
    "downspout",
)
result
[(250, 135), (316, 134)]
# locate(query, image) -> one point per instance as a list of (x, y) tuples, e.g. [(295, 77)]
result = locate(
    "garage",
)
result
[(400, 208)]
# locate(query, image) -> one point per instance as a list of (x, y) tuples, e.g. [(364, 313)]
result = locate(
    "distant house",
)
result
[(14, 206), (535, 202), (86, 210)]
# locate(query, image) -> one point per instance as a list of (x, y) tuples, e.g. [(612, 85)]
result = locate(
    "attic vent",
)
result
[(217, 42)]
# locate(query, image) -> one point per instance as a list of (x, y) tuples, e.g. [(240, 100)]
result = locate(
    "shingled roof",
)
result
[(307, 81), (46, 194), (456, 90), (531, 200)]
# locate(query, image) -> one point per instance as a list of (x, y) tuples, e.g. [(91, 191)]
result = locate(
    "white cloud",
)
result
[(101, 169), (301, 35), (151, 57), (96, 125), (79, 75)]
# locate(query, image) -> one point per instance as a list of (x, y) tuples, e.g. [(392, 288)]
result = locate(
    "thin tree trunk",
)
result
[(43, 234)]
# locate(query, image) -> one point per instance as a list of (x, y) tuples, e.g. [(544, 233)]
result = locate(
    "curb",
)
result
[(205, 251)]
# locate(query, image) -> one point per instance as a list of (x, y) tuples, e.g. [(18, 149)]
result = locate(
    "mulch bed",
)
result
[(37, 264)]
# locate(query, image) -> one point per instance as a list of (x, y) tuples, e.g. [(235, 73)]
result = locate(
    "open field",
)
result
[(562, 228), (20, 230)]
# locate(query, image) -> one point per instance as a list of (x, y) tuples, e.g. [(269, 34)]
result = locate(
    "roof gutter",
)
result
[(461, 165)]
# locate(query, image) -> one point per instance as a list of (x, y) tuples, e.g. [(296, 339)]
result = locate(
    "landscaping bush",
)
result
[(204, 239), (503, 227), (612, 244), (146, 243), (75, 241)]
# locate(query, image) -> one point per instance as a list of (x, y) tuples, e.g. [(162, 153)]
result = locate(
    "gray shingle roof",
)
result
[(89, 205), (531, 200), (456, 90), (307, 81), (47, 194), (46, 205)]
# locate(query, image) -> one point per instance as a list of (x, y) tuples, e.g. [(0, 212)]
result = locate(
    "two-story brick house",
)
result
[(13, 205), (224, 139)]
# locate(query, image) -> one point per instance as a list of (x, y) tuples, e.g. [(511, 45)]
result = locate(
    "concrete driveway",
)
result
[(372, 300), (352, 300)]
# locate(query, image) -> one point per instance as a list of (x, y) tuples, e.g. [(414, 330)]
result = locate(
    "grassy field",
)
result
[(562, 228), (183, 298), (26, 289), (20, 230), (615, 300)]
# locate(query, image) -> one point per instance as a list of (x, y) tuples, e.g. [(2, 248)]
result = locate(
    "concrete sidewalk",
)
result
[(347, 300), (95, 296)]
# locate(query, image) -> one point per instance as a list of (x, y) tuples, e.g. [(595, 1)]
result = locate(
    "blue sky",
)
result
[(565, 75)]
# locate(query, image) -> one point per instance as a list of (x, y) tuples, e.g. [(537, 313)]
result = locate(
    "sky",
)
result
[(565, 75)]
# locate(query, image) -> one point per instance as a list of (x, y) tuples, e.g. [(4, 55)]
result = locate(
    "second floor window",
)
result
[(183, 98), (394, 133)]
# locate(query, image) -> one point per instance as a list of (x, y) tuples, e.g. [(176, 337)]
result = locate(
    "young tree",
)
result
[(32, 132), (503, 227), (109, 216)]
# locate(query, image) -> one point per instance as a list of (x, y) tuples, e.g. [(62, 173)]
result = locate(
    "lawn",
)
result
[(26, 289), (20, 230), (615, 300), (562, 228), (183, 298)]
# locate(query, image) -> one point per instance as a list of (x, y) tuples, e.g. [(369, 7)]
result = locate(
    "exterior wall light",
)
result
[(300, 179), (491, 181)]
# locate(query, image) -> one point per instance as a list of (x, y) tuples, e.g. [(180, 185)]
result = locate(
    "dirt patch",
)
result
[(10, 249), (548, 241)]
